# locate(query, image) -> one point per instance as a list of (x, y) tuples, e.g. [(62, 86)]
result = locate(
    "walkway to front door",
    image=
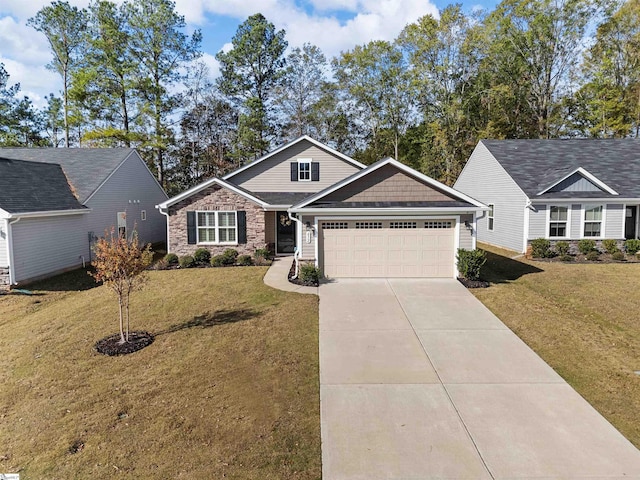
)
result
[(419, 380)]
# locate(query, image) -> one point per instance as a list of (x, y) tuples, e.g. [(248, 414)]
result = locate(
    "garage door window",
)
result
[(335, 225), (364, 225), (437, 224), (403, 224)]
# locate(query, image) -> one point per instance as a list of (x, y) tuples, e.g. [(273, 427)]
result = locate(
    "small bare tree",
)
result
[(120, 264)]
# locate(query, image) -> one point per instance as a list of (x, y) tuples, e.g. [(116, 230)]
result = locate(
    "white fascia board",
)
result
[(290, 144), (408, 170), (208, 183), (4, 214), (49, 213), (386, 212), (585, 174), (561, 201)]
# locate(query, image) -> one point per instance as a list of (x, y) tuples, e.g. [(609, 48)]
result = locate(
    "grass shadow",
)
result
[(212, 319), (73, 281), (501, 269)]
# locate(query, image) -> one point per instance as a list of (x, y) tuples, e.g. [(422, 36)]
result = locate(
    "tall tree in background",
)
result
[(249, 73), (64, 27), (160, 51), (300, 89), (53, 118)]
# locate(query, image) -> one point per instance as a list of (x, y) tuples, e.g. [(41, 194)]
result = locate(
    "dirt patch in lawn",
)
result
[(582, 320)]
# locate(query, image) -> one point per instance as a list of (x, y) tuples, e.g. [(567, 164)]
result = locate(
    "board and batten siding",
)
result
[(4, 259), (484, 179), (274, 173), (131, 189), (46, 245)]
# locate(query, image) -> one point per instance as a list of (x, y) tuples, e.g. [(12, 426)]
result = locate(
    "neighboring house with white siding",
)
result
[(384, 220), (55, 202), (554, 189)]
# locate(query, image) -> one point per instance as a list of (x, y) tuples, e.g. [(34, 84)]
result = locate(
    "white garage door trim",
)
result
[(456, 230)]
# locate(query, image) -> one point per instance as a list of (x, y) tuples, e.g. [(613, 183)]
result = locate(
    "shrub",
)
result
[(540, 248), (586, 245), (228, 257), (245, 260), (160, 265), (202, 256), (309, 273), (187, 261), (171, 259), (262, 254), (566, 258), (618, 256), (231, 254), (610, 245), (632, 246), (218, 261), (563, 248), (593, 255), (470, 263)]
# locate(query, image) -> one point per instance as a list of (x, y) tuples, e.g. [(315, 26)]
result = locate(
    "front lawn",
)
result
[(583, 320), (229, 388)]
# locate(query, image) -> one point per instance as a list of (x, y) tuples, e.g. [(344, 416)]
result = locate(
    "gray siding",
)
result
[(614, 221), (576, 220), (4, 261), (42, 246), (131, 189), (308, 249), (274, 174), (466, 234), (575, 183), (485, 180), (537, 222)]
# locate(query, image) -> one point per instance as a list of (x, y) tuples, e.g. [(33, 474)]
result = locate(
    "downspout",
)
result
[(166, 214), (12, 275), (298, 242)]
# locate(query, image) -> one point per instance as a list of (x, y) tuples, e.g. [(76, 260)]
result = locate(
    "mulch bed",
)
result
[(297, 281), (473, 283), (580, 258), (111, 345)]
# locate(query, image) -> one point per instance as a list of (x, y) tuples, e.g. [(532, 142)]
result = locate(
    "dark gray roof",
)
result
[(537, 164), (452, 204), (282, 198), (34, 187), (86, 168)]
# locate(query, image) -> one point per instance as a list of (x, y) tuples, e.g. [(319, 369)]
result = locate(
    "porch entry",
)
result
[(630, 222), (285, 234)]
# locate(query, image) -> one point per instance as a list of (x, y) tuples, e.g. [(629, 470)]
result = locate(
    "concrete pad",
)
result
[(394, 432), (371, 312), (373, 357), (449, 313), (545, 431), (352, 287), (423, 287), (484, 356)]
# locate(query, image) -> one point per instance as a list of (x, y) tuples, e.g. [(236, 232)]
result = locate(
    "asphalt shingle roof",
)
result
[(34, 187), (86, 168), (536, 164), (282, 198)]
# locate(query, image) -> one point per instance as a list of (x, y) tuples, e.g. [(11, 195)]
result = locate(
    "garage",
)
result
[(387, 248)]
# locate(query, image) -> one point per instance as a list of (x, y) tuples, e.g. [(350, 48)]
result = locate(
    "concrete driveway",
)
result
[(419, 380)]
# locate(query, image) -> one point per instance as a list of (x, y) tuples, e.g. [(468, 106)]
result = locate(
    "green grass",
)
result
[(229, 388), (582, 319)]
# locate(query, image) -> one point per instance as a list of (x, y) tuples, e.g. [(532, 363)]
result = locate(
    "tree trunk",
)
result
[(66, 106), (122, 340)]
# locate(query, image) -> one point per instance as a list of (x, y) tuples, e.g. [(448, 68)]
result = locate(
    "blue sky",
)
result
[(333, 25)]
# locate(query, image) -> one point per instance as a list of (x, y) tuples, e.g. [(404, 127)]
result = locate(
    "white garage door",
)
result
[(390, 248)]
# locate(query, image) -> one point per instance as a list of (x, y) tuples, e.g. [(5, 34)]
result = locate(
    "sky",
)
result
[(332, 25)]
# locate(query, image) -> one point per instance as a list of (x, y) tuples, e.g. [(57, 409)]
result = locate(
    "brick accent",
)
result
[(211, 199), (4, 279)]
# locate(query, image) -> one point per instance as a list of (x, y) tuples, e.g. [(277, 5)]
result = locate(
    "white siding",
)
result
[(274, 174), (4, 261), (484, 179), (131, 189), (537, 222), (466, 234), (614, 221), (42, 246), (576, 221), (308, 249)]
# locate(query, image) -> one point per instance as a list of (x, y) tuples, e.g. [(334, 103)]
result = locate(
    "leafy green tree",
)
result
[(53, 119), (64, 27), (249, 73), (160, 50)]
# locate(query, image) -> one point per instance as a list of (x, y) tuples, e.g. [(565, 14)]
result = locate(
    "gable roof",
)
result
[(29, 187), (460, 199), (290, 144), (86, 168), (213, 181), (538, 165)]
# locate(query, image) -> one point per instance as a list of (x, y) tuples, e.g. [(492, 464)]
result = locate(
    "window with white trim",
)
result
[(217, 227), (490, 216), (403, 225), (367, 225), (558, 217), (335, 225), (304, 170), (437, 224), (592, 221)]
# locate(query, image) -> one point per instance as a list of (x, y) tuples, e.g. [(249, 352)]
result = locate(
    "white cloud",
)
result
[(213, 65)]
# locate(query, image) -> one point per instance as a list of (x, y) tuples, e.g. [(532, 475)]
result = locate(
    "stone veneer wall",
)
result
[(573, 245), (215, 198), (4, 279)]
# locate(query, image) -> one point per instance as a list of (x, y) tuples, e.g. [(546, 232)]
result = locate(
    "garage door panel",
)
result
[(388, 252)]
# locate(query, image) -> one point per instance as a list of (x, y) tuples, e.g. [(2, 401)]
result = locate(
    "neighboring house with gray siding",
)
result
[(554, 189), (55, 202), (308, 200)]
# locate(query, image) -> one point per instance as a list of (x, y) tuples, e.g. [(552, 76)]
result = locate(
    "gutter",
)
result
[(165, 211), (388, 211), (49, 213)]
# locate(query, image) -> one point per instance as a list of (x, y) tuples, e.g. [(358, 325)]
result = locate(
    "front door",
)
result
[(630, 222), (285, 233)]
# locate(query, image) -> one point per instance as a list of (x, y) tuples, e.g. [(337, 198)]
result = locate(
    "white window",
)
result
[(143, 215), (304, 170), (335, 225), (592, 221), (403, 225), (558, 221), (217, 227), (434, 224), (490, 216)]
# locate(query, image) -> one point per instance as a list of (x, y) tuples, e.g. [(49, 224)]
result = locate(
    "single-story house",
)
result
[(54, 202), (555, 189), (384, 220)]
